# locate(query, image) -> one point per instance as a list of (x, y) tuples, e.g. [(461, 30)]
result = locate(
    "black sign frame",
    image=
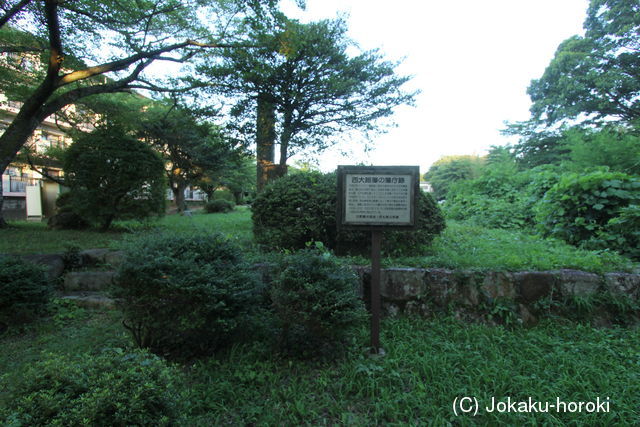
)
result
[(377, 171)]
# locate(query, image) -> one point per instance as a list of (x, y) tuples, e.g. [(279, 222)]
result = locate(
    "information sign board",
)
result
[(377, 197)]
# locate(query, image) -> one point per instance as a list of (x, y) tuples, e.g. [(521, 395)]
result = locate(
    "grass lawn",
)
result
[(34, 237), (429, 363), (461, 246)]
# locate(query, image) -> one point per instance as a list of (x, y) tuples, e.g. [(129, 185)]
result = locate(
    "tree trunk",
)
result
[(265, 140), (178, 197), (3, 223)]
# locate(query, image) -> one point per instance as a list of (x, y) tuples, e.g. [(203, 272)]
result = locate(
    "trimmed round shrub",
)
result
[(218, 205), (184, 295), (114, 176), (315, 302), (113, 388), (24, 291), (301, 208), (579, 207)]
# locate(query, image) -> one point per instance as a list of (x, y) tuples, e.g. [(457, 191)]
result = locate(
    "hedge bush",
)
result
[(113, 388), (182, 295), (315, 301), (581, 206), (218, 205), (24, 291), (301, 208)]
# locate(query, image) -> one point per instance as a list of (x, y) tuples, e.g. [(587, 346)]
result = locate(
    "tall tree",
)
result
[(449, 169), (595, 76), (81, 48), (192, 150), (303, 89)]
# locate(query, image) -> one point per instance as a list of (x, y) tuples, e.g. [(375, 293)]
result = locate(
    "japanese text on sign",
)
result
[(378, 199)]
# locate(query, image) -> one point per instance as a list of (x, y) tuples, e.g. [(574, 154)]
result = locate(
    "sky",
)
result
[(472, 61)]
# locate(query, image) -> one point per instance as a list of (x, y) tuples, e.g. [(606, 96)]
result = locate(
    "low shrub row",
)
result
[(185, 296), (111, 388)]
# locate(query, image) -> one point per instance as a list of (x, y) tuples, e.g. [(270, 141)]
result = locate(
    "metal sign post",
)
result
[(377, 198), (376, 243)]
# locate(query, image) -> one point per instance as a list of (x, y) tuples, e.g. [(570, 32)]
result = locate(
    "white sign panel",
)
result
[(382, 199)]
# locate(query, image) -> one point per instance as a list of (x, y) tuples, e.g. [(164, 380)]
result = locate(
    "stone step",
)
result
[(90, 300), (110, 257), (88, 280)]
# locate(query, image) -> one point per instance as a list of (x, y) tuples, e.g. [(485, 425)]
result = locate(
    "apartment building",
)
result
[(27, 194)]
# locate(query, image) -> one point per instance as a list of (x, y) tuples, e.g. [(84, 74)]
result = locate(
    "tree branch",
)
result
[(44, 173), (70, 97), (13, 11), (124, 63), (18, 49)]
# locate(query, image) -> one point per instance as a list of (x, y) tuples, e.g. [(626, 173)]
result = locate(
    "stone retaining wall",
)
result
[(421, 291), (417, 290)]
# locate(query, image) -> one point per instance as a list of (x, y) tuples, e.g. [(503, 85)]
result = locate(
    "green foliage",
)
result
[(450, 169), (24, 291), (465, 246), (113, 176), (501, 197), (218, 205), (296, 209), (594, 75), (579, 207), (313, 80), (616, 148), (65, 217), (193, 151), (183, 295), (621, 233), (107, 389), (315, 301), (301, 208)]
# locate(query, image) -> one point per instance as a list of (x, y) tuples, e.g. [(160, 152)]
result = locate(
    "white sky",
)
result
[(473, 61)]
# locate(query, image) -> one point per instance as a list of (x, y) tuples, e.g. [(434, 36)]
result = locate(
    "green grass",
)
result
[(461, 246), (466, 246), (34, 237), (428, 364)]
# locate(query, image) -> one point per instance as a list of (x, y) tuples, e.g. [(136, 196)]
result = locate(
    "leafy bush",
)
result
[(580, 207), (451, 169), (24, 291), (112, 175), (218, 205), (621, 233), (66, 218), (112, 388), (301, 208), (315, 301), (502, 197), (183, 295)]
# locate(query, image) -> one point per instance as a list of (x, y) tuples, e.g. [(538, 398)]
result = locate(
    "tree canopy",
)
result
[(595, 76), (303, 88), (192, 150), (66, 51)]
